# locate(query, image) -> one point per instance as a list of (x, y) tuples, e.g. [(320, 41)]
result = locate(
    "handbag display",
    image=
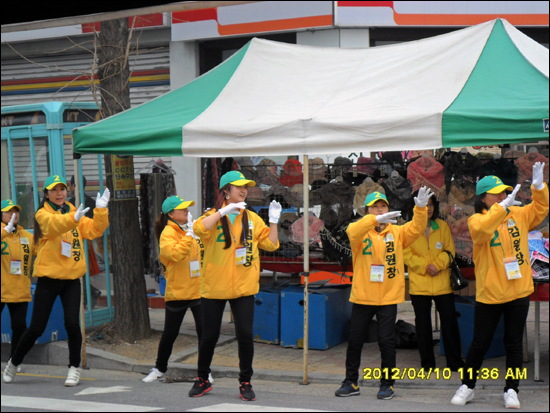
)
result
[(458, 281)]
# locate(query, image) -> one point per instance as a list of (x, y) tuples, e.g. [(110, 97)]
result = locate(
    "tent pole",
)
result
[(306, 265), (77, 198)]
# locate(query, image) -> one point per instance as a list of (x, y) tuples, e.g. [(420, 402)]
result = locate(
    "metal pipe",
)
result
[(306, 266)]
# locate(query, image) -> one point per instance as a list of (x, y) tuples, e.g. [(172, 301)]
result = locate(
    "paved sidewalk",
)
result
[(273, 362)]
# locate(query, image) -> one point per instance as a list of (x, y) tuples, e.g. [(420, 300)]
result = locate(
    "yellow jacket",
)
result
[(386, 248), (421, 253), (17, 246), (222, 277), (177, 250), (57, 227), (500, 233)]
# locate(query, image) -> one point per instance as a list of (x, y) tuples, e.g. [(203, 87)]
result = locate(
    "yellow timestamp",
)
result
[(492, 374), (411, 373)]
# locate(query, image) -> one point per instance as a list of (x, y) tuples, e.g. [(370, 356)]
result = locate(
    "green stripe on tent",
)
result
[(168, 113), (505, 97)]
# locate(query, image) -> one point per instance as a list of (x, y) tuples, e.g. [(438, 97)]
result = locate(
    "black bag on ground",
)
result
[(458, 281), (405, 335)]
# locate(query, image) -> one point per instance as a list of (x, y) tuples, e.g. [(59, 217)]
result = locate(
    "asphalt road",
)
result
[(40, 388)]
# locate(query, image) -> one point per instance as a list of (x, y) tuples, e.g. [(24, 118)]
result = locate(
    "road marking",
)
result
[(249, 407), (102, 390), (41, 403), (50, 377)]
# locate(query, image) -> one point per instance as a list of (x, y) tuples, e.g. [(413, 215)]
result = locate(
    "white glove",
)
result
[(537, 181), (232, 208), (190, 223), (80, 212), (423, 195), (102, 201), (387, 217), (10, 226), (274, 212), (510, 199)]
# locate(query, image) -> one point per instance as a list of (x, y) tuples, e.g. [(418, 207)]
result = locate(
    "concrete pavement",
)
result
[(273, 362)]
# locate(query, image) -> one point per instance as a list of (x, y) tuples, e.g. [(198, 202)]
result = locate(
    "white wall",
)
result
[(184, 68)]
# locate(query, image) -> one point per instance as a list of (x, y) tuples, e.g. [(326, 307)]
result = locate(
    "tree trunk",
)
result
[(130, 292)]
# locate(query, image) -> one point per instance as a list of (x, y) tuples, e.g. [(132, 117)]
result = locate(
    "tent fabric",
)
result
[(482, 85)]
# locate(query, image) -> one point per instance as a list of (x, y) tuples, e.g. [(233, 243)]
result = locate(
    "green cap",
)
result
[(235, 178), (175, 202), (492, 184), (8, 204), (374, 197), (53, 180)]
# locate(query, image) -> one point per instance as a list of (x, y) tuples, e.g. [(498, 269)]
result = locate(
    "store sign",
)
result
[(124, 183), (545, 124)]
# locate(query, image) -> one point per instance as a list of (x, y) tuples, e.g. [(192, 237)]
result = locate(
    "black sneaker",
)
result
[(385, 392), (200, 387), (247, 394), (348, 388)]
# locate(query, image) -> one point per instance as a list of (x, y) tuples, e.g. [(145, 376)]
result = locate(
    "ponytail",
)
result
[(160, 224), (225, 221), (37, 230)]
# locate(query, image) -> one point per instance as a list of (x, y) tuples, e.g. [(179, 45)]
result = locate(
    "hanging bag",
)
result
[(458, 281)]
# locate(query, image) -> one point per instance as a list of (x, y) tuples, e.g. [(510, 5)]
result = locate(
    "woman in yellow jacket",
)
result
[(429, 279), (504, 279), (59, 230), (232, 235), (378, 283), (17, 251), (180, 255)]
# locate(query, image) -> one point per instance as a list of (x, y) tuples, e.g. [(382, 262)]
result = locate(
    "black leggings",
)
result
[(47, 290), (486, 318), (18, 316), (243, 314), (450, 334), (172, 324)]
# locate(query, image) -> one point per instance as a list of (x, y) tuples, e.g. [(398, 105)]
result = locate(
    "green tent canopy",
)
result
[(482, 85)]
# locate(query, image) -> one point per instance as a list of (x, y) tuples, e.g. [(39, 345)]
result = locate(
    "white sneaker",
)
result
[(154, 376), (9, 372), (73, 377), (511, 399), (210, 378), (462, 396), (19, 369)]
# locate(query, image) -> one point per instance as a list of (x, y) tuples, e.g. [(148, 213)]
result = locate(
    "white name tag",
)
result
[(439, 245), (513, 272), (511, 223), (15, 267), (195, 269), (65, 249), (240, 256), (377, 273), (25, 241)]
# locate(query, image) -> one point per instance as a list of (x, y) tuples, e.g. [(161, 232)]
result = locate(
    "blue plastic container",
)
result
[(465, 307), (329, 315), (267, 313), (162, 285), (55, 329)]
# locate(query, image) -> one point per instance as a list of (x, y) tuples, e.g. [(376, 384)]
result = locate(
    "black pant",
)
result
[(243, 314), (18, 316), (361, 316), (486, 319), (172, 324), (47, 290), (450, 333)]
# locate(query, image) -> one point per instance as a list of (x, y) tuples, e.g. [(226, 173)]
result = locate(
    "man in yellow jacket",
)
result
[(378, 283), (504, 279), (428, 262), (17, 251), (232, 236), (59, 230)]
